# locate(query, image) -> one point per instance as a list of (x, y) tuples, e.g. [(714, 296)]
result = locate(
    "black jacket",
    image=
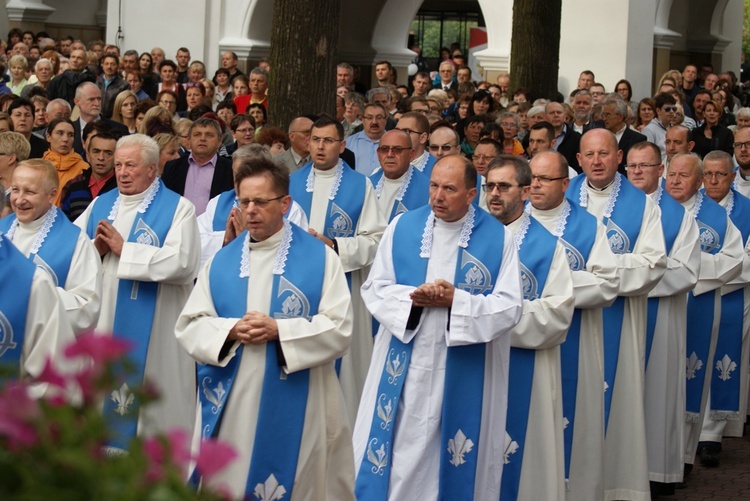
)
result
[(721, 139), (175, 175), (628, 139), (64, 86), (76, 195)]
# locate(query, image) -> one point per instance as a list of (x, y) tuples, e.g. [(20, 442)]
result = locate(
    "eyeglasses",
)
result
[(670, 108), (375, 117), (305, 132), (409, 131), (640, 166), (245, 130), (328, 141), (508, 124), (739, 146), (715, 175), (501, 187), (546, 179), (261, 203), (395, 149), (441, 147)]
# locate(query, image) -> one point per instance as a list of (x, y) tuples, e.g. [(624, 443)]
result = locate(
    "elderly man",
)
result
[(258, 85), (34, 326), (533, 455), (742, 156), (615, 112), (88, 98), (728, 393), (298, 153), (566, 139), (43, 234), (399, 186), (222, 222), (435, 400), (447, 71), (595, 285), (148, 239), (721, 261), (57, 108), (203, 174), (635, 236), (364, 144), (65, 86), (268, 317), (14, 148), (667, 325), (418, 128), (341, 207)]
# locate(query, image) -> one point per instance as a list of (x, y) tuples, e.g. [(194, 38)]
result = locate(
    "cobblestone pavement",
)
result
[(729, 481)]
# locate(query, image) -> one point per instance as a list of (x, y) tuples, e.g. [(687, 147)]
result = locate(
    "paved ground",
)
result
[(730, 481)]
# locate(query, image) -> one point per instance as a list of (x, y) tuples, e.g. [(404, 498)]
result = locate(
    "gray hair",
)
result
[(252, 150), (259, 71), (378, 90), (44, 60), (695, 159), (347, 67), (149, 147), (508, 114), (535, 110), (745, 112), (57, 102), (722, 156), (86, 85), (621, 107)]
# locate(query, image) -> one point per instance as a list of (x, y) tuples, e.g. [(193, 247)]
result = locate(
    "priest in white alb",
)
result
[(445, 288), (667, 322), (270, 314), (342, 210), (595, 284), (43, 233), (148, 239), (534, 456)]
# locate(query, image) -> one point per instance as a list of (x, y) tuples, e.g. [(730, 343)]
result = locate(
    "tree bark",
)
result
[(535, 50), (304, 53)]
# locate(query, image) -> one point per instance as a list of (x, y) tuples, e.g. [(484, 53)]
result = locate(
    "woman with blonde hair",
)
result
[(124, 109), (156, 113), (169, 149), (17, 67)]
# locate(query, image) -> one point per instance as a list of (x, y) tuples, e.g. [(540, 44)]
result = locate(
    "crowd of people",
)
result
[(449, 289)]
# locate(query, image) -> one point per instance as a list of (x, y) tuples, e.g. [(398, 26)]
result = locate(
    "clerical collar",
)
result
[(743, 176), (594, 188), (42, 224)]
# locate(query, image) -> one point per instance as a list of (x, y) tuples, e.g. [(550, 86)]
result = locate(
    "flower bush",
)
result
[(52, 448)]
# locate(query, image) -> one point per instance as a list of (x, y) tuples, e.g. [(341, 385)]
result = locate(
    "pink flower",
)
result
[(17, 413), (101, 348), (51, 376), (177, 453), (214, 456)]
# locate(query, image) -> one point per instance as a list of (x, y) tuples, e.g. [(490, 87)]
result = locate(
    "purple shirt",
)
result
[(198, 183)]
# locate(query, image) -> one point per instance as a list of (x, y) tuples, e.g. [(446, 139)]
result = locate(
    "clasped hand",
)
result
[(438, 294), (254, 328)]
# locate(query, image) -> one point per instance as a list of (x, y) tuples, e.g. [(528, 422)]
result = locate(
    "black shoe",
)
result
[(709, 457)]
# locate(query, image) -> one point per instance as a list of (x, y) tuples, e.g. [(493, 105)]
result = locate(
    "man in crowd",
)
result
[(229, 62), (656, 130), (595, 283), (700, 99), (111, 83), (534, 456), (446, 70), (582, 109), (585, 80), (418, 128), (742, 156), (148, 239), (341, 207), (421, 84), (689, 82), (398, 185), (444, 141), (298, 153), (65, 86), (43, 234), (203, 174), (615, 112), (383, 73), (635, 237), (258, 79), (566, 139), (364, 144), (667, 325), (679, 139), (182, 59), (296, 325), (89, 101), (440, 273)]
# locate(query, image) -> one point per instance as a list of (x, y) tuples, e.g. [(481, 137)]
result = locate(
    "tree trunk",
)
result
[(535, 50), (304, 53)]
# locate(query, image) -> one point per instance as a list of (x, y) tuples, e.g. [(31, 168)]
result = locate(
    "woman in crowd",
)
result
[(169, 149), (17, 67), (149, 77), (54, 58), (181, 129), (646, 113), (159, 113), (40, 108), (743, 119), (168, 99), (274, 138), (69, 164), (712, 135), (259, 114), (355, 105), (195, 94), (196, 72), (624, 88), (140, 111), (124, 109), (168, 72), (223, 85), (210, 97), (511, 125)]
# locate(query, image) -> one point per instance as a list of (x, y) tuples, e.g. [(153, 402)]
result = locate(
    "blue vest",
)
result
[(535, 253), (416, 195), (223, 208), (16, 274)]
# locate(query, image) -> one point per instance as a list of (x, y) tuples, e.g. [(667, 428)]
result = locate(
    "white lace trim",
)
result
[(419, 163), (41, 236), (697, 205), (12, 230), (521, 233), (336, 181), (151, 192), (611, 202), (281, 254), (404, 184), (429, 228), (562, 221), (730, 203), (379, 186), (467, 228), (658, 193)]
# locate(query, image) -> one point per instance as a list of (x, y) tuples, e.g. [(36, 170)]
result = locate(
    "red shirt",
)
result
[(96, 185), (242, 102)]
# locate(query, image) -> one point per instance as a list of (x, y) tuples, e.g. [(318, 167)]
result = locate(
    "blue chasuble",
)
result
[(136, 301), (477, 269), (297, 287), (712, 226), (536, 248), (414, 191), (425, 163), (223, 208), (16, 274), (54, 246), (725, 382), (622, 218)]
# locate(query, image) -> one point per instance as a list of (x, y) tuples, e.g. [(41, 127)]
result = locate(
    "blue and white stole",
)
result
[(414, 191), (297, 284), (477, 269), (725, 386), (54, 245), (576, 230), (425, 163), (16, 273), (623, 216), (136, 301), (536, 247), (345, 201), (672, 213), (712, 226), (224, 206)]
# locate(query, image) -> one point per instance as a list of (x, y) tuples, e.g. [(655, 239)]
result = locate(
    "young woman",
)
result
[(69, 164), (124, 109), (646, 113)]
